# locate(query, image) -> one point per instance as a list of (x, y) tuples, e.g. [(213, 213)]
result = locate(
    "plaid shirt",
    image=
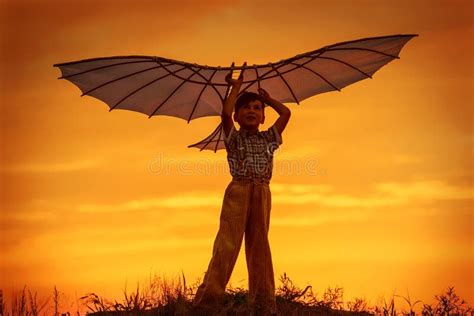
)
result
[(251, 156)]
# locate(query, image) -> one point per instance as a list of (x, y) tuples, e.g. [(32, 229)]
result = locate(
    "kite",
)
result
[(161, 86)]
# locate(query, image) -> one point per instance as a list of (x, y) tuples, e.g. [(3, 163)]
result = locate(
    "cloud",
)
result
[(296, 188), (387, 194), (77, 244), (336, 200), (321, 218), (323, 195), (132, 246), (52, 167), (281, 194), (183, 200), (425, 189)]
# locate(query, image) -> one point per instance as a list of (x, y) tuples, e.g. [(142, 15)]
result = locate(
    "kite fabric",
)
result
[(160, 86)]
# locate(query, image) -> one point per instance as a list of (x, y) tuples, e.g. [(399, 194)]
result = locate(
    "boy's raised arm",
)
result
[(281, 109), (229, 103)]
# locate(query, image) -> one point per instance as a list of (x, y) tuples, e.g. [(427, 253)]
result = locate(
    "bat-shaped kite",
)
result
[(162, 86)]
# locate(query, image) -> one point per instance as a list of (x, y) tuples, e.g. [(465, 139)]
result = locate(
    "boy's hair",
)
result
[(247, 97)]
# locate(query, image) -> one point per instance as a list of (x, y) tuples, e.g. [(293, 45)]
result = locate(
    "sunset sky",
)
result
[(379, 200)]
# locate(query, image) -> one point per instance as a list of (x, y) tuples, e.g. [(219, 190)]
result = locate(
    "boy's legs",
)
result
[(226, 245), (257, 250)]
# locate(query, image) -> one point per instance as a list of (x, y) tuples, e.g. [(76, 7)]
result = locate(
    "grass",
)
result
[(170, 297)]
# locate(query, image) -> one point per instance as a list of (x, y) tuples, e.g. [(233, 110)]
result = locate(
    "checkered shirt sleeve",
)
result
[(273, 136)]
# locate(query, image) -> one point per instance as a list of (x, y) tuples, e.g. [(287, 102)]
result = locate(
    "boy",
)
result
[(247, 200)]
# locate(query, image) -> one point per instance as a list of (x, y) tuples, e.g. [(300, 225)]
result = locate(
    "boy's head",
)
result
[(249, 110)]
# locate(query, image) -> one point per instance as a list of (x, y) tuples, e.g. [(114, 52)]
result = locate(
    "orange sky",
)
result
[(385, 206)]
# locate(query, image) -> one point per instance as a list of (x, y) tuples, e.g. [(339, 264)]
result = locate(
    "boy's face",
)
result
[(250, 115)]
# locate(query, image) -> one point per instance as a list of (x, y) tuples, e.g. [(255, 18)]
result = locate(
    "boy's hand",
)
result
[(234, 82), (264, 94)]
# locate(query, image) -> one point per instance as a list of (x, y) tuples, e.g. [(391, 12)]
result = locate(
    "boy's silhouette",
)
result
[(247, 200)]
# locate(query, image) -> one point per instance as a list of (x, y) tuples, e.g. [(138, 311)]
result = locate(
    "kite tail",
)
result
[(214, 141)]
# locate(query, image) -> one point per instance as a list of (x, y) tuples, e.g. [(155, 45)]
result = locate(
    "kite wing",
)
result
[(161, 86)]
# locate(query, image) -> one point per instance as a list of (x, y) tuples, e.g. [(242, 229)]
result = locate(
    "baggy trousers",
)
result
[(245, 209)]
